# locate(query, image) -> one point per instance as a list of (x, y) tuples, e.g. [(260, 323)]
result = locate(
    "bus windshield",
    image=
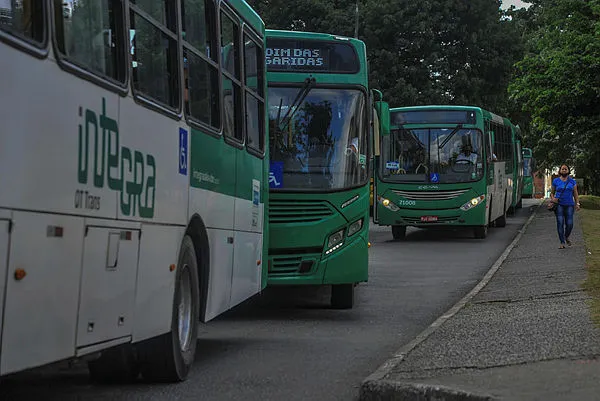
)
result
[(319, 140), (527, 167), (432, 155)]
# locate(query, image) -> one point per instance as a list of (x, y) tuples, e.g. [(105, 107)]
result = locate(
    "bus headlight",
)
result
[(472, 203), (355, 227), (387, 203), (335, 241)]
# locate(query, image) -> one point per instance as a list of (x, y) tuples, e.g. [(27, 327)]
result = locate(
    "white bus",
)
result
[(133, 179)]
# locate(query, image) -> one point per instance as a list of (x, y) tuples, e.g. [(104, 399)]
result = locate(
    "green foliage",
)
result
[(559, 85), (590, 202), (432, 52)]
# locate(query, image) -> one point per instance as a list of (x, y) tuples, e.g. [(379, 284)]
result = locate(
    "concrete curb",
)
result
[(375, 387), (403, 391)]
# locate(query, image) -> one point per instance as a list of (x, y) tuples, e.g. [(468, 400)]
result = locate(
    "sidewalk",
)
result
[(526, 334)]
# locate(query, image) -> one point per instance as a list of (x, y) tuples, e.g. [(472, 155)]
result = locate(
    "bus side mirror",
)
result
[(383, 112)]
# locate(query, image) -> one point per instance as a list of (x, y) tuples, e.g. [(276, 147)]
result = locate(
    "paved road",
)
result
[(287, 345)]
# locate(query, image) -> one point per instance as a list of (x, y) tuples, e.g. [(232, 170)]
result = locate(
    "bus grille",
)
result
[(298, 211), (440, 220), (292, 264), (430, 195)]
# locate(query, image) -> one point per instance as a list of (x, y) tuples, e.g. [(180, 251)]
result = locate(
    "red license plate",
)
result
[(429, 219)]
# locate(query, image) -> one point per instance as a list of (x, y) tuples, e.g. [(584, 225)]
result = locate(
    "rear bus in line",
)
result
[(321, 116), (517, 171), (444, 166), (528, 171), (134, 180)]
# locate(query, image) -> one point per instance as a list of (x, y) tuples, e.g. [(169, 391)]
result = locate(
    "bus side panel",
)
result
[(498, 191), (247, 269), (153, 164), (108, 282), (45, 131), (212, 198), (40, 314), (159, 248), (221, 270), (4, 241), (249, 211)]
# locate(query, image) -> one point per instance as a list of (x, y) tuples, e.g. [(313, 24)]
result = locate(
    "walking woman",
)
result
[(564, 194)]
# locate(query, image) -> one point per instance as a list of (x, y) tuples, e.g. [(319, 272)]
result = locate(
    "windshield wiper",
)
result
[(454, 131), (309, 83)]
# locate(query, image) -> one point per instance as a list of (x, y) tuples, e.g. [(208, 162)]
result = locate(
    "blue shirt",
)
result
[(562, 193)]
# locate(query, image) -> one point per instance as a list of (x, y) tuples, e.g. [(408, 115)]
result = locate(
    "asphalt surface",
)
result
[(288, 345), (529, 334)]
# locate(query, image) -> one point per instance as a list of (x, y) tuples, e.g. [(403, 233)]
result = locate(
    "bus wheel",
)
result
[(115, 365), (501, 221), (399, 232), (480, 231), (169, 358), (342, 296), (520, 204)]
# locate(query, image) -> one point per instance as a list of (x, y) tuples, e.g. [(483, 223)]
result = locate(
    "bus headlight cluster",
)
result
[(473, 202), (335, 241), (387, 203), (355, 227)]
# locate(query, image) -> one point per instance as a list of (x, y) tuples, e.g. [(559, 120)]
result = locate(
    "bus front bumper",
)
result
[(347, 265), (433, 218)]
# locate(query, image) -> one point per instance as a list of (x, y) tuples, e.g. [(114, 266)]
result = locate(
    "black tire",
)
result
[(501, 221), (342, 296), (480, 232), (399, 232), (520, 204), (117, 365), (163, 359)]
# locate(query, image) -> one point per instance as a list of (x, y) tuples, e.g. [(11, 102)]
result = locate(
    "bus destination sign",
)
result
[(311, 56)]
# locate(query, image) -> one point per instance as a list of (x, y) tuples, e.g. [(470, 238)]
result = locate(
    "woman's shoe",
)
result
[(569, 242), (562, 246)]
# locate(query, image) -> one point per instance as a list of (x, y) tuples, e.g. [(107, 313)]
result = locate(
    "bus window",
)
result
[(155, 72), (201, 73), (89, 34), (253, 56), (24, 19), (231, 86)]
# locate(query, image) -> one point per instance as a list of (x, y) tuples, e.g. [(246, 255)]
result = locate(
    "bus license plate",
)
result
[(429, 219)]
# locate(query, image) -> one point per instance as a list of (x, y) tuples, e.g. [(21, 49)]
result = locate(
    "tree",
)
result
[(559, 85), (441, 51)]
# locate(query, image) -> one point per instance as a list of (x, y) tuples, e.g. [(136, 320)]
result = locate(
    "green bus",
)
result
[(445, 166), (517, 173), (528, 169), (320, 126)]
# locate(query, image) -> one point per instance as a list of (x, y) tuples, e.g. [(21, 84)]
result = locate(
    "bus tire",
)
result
[(169, 357), (520, 203), (117, 365), (501, 221), (480, 232), (342, 296), (399, 232)]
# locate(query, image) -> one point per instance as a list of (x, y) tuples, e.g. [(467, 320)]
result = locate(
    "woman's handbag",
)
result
[(552, 206)]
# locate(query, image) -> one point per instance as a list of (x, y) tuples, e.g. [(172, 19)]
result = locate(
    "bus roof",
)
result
[(279, 33), (248, 14), (477, 109)]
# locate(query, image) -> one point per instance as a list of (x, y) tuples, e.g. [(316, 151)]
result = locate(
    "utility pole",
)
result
[(356, 21)]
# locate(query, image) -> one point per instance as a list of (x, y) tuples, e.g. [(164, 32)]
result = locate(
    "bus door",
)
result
[(381, 123), (375, 161)]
